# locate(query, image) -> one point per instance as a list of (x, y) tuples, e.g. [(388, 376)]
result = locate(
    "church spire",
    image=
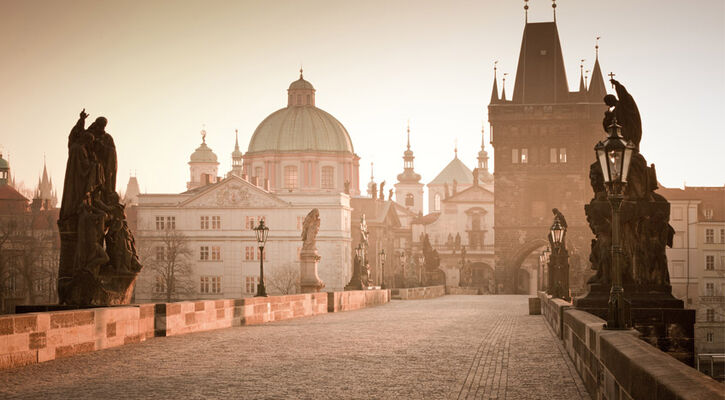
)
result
[(408, 175), (494, 91), (503, 91), (597, 89), (582, 85), (237, 155), (483, 155)]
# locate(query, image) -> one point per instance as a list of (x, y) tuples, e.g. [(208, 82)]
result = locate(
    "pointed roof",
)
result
[(494, 91), (236, 153), (597, 89), (455, 169), (540, 74), (7, 192)]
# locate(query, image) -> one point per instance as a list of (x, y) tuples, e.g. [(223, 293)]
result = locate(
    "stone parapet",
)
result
[(553, 311), (259, 310), (356, 299), (452, 290), (617, 364), (193, 316), (38, 337), (416, 293)]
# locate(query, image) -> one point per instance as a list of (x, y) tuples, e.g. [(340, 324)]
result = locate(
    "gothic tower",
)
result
[(543, 139), (409, 190)]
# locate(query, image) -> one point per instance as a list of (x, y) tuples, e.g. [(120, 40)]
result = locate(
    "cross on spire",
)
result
[(611, 76), (596, 47)]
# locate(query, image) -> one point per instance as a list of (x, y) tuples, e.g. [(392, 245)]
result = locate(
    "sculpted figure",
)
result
[(120, 243), (626, 111), (310, 228), (382, 190), (105, 152)]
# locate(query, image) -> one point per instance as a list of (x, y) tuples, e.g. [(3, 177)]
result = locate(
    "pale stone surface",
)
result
[(448, 347)]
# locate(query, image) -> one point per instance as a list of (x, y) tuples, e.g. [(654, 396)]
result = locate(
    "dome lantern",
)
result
[(300, 93)]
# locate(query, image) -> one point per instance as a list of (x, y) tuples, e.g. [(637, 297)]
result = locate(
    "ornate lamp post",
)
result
[(614, 156), (262, 231), (382, 268), (558, 265)]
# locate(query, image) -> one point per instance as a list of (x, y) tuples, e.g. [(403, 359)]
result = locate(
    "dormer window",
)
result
[(708, 213)]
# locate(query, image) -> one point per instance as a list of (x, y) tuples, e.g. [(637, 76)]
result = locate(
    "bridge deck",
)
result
[(449, 347)]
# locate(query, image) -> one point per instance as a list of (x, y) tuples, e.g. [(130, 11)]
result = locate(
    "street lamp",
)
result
[(382, 272), (262, 231), (614, 156), (559, 266), (557, 232)]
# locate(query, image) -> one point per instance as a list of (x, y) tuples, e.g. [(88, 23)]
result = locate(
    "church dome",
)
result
[(203, 153), (300, 127)]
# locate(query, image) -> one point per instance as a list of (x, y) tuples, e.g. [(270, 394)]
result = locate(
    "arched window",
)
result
[(327, 177), (409, 200), (437, 202), (290, 177), (308, 99)]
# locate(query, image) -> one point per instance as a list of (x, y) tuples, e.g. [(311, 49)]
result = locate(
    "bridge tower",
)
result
[(543, 139)]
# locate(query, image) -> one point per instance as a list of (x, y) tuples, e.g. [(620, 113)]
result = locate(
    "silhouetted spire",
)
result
[(597, 89), (582, 85), (503, 91), (540, 73), (494, 91)]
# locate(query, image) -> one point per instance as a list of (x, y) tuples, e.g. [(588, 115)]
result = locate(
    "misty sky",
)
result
[(159, 70)]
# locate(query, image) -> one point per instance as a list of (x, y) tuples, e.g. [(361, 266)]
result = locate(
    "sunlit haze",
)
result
[(162, 70)]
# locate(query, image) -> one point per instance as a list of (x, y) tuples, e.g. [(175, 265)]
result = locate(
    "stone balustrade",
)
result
[(454, 290), (416, 293), (43, 336), (618, 364)]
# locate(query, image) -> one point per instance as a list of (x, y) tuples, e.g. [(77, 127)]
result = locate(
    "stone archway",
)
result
[(515, 262)]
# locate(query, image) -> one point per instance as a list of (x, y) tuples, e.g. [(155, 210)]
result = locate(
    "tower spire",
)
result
[(553, 7), (597, 89), (494, 91), (503, 91), (582, 85), (526, 11), (408, 134), (596, 48)]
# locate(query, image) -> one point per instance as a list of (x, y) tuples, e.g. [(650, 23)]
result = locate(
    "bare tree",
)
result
[(285, 279), (167, 259)]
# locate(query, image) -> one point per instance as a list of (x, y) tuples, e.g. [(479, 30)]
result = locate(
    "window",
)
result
[(722, 235), (562, 155), (258, 172), (250, 284), (709, 263), (709, 289), (204, 253), (249, 222), (170, 222), (216, 253), (677, 214), (514, 156), (216, 222), (204, 222), (160, 223), (437, 202), (709, 337), (327, 177), (159, 285), (249, 252), (709, 236), (210, 284), (160, 253), (290, 177), (409, 200), (524, 156), (710, 315), (708, 213)]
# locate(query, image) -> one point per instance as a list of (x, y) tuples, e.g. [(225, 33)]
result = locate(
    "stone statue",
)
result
[(432, 274), (390, 194), (347, 187), (309, 280), (627, 113), (382, 190), (98, 261), (363, 231), (310, 228)]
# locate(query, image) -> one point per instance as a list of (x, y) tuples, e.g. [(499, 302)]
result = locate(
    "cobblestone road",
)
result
[(453, 347)]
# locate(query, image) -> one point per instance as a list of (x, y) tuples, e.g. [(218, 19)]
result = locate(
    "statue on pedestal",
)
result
[(309, 280), (98, 262)]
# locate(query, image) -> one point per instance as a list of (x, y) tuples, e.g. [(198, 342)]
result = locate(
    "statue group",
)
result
[(98, 262)]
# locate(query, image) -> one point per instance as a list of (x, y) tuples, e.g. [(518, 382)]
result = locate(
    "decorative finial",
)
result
[(408, 134), (495, 67), (553, 6), (455, 148), (483, 136), (203, 133), (371, 171), (504, 80), (611, 77), (586, 78), (526, 10), (596, 47), (300, 71)]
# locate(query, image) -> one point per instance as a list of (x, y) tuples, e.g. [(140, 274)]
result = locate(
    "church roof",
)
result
[(301, 84), (540, 75), (455, 169), (7, 192), (203, 154)]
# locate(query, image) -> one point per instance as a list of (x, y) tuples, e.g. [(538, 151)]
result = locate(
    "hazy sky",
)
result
[(159, 70)]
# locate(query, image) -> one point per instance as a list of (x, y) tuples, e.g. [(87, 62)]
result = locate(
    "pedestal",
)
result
[(309, 280), (662, 319)]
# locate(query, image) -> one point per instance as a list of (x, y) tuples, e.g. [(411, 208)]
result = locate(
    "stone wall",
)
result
[(619, 365), (356, 299), (38, 337), (453, 290), (425, 292), (553, 311), (42, 336)]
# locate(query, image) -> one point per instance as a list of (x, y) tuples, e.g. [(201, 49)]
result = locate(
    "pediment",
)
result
[(234, 192), (473, 194)]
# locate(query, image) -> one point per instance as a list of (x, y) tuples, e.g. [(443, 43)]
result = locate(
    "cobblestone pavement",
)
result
[(454, 347)]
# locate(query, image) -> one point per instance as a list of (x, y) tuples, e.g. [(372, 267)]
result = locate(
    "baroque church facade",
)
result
[(298, 158)]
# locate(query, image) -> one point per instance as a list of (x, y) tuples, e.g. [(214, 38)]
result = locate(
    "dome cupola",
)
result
[(300, 93)]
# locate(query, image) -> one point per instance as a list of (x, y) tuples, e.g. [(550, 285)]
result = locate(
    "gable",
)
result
[(234, 192), (473, 194)]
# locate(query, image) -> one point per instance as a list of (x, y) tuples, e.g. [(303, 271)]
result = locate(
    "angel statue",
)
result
[(310, 228)]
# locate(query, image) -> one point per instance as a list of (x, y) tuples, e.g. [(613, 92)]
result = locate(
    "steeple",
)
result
[(44, 191), (503, 91), (483, 155), (540, 73), (408, 175), (237, 156), (582, 86), (597, 89), (494, 91)]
